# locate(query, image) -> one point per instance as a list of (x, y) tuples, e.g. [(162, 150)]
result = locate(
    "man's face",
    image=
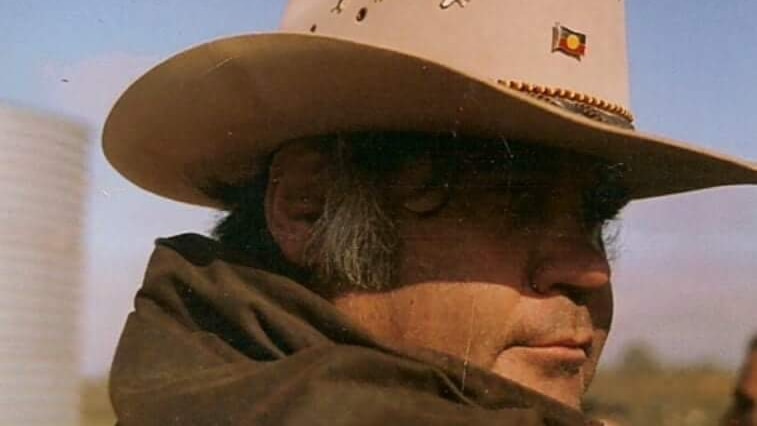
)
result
[(510, 275)]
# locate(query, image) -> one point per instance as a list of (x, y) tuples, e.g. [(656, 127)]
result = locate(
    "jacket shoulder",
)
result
[(197, 249), (202, 251)]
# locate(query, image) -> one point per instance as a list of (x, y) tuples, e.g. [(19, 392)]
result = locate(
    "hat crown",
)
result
[(577, 46)]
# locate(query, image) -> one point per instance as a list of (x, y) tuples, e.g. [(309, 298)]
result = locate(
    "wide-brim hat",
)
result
[(543, 71)]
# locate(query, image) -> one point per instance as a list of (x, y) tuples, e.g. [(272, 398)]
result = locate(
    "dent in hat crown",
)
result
[(571, 49)]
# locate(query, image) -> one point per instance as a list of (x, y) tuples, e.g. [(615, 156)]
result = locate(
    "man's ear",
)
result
[(295, 196)]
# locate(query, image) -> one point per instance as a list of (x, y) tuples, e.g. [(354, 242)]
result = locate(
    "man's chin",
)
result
[(558, 375)]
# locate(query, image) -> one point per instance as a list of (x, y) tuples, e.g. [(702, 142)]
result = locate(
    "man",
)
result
[(417, 196), (743, 411)]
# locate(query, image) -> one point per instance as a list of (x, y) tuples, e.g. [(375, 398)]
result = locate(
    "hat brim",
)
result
[(215, 112)]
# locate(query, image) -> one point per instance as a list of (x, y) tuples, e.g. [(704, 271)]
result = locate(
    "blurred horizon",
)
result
[(684, 279)]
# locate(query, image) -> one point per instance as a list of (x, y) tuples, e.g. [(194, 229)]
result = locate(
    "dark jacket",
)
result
[(215, 341)]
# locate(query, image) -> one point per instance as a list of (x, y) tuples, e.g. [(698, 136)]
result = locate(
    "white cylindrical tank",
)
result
[(43, 180)]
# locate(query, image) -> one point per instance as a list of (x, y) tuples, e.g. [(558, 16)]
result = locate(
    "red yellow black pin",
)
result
[(567, 41)]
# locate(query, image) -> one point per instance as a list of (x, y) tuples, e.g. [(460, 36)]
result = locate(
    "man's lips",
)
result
[(571, 351), (582, 344), (564, 354)]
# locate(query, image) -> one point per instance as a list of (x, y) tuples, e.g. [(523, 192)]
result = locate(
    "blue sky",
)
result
[(685, 277), (38, 33)]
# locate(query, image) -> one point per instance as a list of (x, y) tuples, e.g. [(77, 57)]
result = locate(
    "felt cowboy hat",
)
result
[(545, 71)]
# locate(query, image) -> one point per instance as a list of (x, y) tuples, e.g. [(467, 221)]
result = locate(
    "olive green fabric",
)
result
[(215, 341)]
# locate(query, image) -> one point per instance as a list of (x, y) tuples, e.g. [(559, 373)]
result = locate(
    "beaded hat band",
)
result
[(579, 103)]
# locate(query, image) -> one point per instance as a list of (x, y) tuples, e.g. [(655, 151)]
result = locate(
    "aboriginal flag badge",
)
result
[(567, 41)]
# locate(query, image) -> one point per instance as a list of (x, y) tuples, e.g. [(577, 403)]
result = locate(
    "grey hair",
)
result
[(354, 244)]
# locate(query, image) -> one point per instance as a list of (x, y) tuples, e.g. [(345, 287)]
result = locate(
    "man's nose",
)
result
[(569, 265)]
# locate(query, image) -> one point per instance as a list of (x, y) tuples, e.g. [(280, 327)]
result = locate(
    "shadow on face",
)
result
[(485, 250)]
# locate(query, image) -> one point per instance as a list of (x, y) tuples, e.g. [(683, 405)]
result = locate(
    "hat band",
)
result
[(576, 102)]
